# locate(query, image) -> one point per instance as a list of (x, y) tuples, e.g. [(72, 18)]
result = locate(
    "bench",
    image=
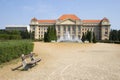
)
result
[(26, 65)]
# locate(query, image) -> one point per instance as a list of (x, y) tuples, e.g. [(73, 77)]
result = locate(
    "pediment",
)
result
[(68, 21)]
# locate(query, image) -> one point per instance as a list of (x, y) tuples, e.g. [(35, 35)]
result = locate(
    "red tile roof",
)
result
[(105, 19), (46, 21), (69, 16), (91, 21)]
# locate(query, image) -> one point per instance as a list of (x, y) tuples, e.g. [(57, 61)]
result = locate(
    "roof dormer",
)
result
[(34, 21), (105, 21)]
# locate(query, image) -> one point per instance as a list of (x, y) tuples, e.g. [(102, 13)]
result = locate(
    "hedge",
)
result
[(109, 41), (13, 49)]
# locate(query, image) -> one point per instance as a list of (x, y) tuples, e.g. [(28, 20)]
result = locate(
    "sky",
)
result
[(20, 12)]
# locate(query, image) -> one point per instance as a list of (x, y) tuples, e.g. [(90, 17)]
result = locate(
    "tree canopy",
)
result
[(50, 35)]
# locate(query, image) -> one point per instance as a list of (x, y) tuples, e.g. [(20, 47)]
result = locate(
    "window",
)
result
[(58, 28), (106, 29), (41, 36), (106, 32), (33, 28), (64, 29), (69, 28), (73, 28), (41, 32)]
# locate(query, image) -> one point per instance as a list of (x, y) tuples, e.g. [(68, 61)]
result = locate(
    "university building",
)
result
[(72, 24)]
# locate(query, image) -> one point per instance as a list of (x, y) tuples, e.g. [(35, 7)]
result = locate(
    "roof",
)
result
[(105, 19), (34, 19), (46, 21), (68, 16), (91, 21)]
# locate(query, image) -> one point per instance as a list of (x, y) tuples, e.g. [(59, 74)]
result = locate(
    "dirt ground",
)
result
[(70, 61)]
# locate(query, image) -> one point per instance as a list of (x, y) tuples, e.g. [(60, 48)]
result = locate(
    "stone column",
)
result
[(61, 31), (76, 31)]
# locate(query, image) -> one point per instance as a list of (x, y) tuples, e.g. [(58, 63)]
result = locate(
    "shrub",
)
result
[(13, 49)]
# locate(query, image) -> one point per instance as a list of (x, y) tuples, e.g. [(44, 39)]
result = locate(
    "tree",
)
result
[(89, 36), (25, 34), (55, 35), (9, 35), (114, 35), (94, 38), (119, 35), (50, 34), (32, 35), (83, 37), (45, 37)]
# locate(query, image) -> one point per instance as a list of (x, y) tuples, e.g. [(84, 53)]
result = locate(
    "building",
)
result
[(72, 24), (17, 27)]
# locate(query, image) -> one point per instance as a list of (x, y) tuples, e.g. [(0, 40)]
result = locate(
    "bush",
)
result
[(13, 49), (109, 41)]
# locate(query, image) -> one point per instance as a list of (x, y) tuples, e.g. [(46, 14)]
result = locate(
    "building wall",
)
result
[(17, 27), (76, 30)]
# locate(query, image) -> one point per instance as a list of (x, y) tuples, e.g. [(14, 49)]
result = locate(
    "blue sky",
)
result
[(22, 11)]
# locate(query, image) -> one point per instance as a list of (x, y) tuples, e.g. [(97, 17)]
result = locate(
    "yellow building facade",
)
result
[(72, 24)]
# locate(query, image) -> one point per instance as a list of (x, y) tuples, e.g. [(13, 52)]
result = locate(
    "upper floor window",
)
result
[(58, 28), (73, 28), (64, 28), (106, 29), (69, 28), (33, 28), (106, 32)]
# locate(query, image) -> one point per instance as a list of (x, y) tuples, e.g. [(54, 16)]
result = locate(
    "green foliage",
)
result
[(113, 35), (13, 49), (32, 35), (14, 35), (108, 41), (50, 34), (89, 36), (9, 35), (45, 37), (94, 38), (83, 37), (119, 35), (25, 34)]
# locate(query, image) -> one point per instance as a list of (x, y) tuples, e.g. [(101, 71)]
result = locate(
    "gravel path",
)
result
[(70, 61)]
